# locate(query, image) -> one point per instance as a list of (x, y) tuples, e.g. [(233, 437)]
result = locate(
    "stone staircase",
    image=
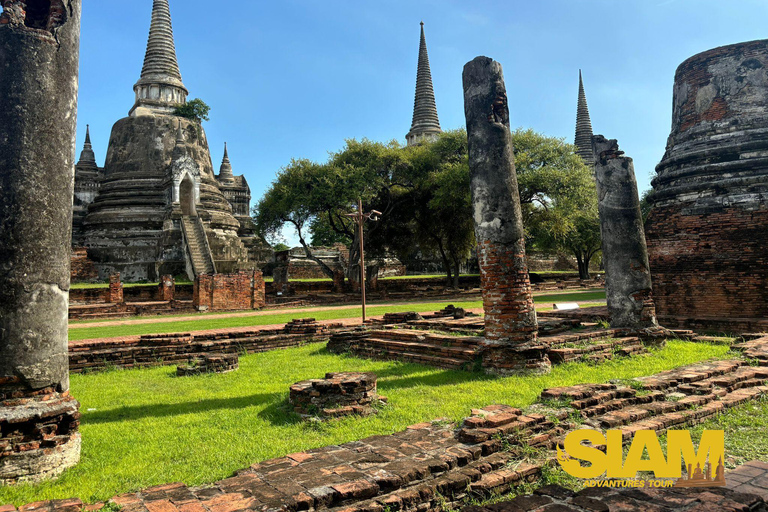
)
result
[(197, 246), (442, 351)]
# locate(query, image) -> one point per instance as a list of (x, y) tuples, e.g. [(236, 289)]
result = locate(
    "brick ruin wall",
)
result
[(82, 269), (710, 267), (230, 292)]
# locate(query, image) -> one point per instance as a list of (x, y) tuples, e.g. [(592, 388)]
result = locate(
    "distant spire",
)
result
[(425, 121), (583, 140), (87, 157), (225, 173), (160, 86)]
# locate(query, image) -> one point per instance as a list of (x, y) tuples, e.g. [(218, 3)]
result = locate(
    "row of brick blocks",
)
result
[(463, 352), (178, 348), (433, 465)]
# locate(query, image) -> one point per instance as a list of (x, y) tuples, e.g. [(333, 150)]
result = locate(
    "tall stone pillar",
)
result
[(39, 54), (625, 255), (510, 318)]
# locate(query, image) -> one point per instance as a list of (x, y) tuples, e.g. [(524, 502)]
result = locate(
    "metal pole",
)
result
[(360, 222)]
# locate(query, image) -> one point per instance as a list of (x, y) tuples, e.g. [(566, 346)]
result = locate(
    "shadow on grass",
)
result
[(405, 371), (165, 410)]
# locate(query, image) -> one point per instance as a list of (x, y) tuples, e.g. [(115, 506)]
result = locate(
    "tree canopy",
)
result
[(423, 193)]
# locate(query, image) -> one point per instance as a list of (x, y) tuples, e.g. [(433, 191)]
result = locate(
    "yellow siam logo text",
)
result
[(590, 462)]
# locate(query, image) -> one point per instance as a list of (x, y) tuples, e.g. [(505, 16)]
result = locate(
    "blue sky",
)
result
[(295, 78)]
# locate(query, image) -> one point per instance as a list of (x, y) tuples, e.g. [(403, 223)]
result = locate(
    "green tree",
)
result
[(441, 203), (195, 109), (292, 200), (308, 194), (558, 197)]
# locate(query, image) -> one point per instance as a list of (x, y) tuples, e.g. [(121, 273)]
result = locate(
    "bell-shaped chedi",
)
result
[(39, 56), (160, 210), (708, 229)]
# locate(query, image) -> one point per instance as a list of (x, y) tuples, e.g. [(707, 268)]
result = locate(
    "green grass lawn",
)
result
[(212, 322), (147, 427)]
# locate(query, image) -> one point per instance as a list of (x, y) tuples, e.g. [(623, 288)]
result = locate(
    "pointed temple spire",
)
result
[(225, 173), (160, 87), (87, 157), (583, 140), (426, 124)]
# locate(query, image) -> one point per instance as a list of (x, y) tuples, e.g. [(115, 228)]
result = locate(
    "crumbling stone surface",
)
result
[(39, 55), (338, 394), (510, 316), (706, 230), (209, 363), (625, 255), (82, 269)]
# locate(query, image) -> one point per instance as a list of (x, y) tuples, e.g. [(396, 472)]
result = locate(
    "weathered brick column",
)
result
[(258, 291), (116, 295), (167, 288), (510, 318), (625, 255), (39, 53)]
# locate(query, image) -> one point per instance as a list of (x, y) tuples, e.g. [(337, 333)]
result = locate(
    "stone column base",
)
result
[(516, 360), (39, 437)]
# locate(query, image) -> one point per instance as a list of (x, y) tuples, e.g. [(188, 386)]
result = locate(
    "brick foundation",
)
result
[(39, 435), (170, 349), (209, 363), (435, 465), (338, 394)]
